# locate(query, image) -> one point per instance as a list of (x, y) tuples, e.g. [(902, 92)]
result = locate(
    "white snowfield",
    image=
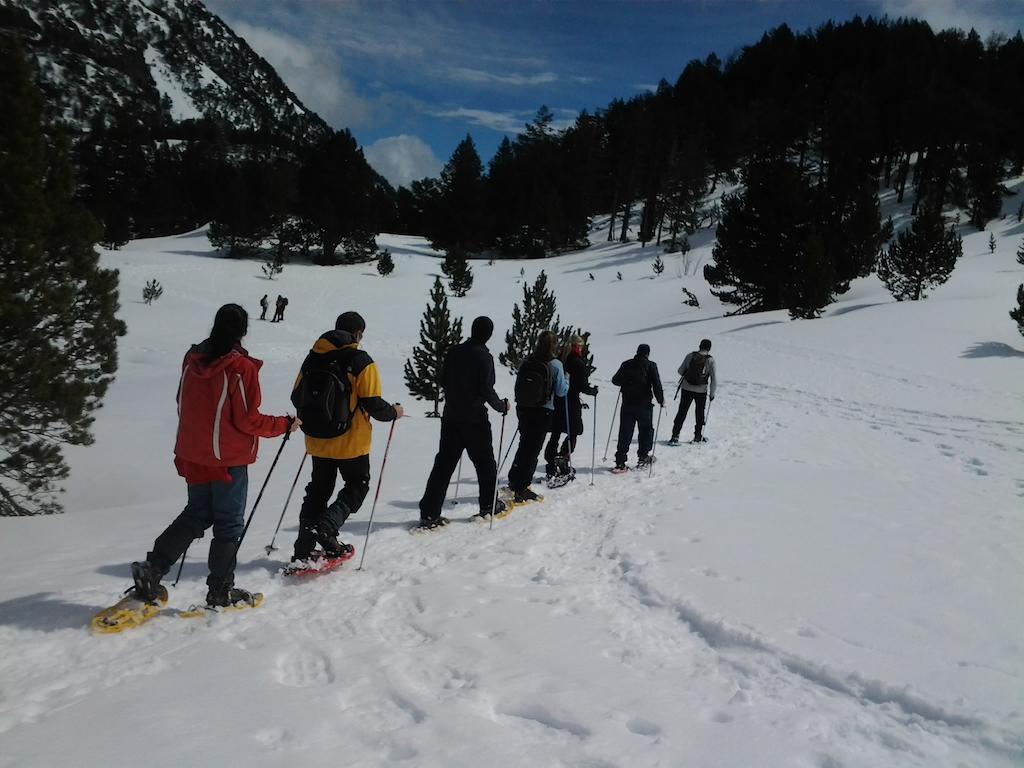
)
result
[(834, 579)]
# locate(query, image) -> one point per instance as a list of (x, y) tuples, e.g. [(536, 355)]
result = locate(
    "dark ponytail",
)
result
[(229, 327)]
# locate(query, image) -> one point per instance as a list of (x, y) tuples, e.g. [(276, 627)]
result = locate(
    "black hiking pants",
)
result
[(635, 417), (534, 424), (356, 475), (701, 399), (475, 439)]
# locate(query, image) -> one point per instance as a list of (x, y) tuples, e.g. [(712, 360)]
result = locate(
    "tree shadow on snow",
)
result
[(755, 325), (855, 307), (45, 613), (676, 324), (990, 349)]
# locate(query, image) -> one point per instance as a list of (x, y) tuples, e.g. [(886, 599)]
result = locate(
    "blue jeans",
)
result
[(221, 505)]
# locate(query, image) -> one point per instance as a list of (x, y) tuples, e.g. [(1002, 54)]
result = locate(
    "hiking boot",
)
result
[(674, 440), (618, 469), (645, 461), (525, 495), (485, 514), (328, 540), (433, 523), (304, 543), (699, 439), (223, 597), (147, 581)]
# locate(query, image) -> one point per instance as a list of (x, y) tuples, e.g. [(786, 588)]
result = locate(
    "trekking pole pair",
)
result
[(270, 547), (501, 439), (380, 479)]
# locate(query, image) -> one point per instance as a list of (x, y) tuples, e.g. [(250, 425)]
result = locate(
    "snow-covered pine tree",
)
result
[(385, 264), (1018, 313), (922, 257), (992, 242), (460, 275), (272, 265), (58, 308), (537, 314), (658, 265), (438, 334), (152, 291)]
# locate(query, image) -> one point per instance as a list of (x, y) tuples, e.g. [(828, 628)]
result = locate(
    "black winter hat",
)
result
[(643, 350), (483, 328), (350, 321)]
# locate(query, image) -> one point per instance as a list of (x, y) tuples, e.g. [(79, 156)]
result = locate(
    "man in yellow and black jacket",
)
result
[(348, 454)]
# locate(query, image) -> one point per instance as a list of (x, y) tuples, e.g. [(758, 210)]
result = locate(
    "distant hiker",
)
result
[(639, 381), (468, 381), (698, 381), (576, 369), (336, 393), (284, 306), (219, 424), (264, 304), (277, 310), (540, 379)]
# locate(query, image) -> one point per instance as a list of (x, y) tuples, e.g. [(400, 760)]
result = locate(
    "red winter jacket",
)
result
[(219, 421)]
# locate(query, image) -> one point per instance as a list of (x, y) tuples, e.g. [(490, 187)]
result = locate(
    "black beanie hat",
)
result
[(483, 328), (643, 350), (350, 321)]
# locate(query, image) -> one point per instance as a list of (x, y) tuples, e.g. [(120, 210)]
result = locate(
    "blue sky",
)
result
[(411, 78)]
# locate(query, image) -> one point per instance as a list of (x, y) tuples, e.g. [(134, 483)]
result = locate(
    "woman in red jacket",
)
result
[(219, 426)]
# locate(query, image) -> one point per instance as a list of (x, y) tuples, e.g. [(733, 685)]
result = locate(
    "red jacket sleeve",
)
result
[(245, 406)]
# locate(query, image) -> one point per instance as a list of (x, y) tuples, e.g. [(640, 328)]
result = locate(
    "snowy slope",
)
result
[(833, 580)]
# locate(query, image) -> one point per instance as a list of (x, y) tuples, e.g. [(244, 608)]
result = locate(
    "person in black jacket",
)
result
[(578, 371), (639, 380), (468, 381)]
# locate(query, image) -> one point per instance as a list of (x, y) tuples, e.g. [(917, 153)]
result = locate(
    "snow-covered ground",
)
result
[(833, 580)]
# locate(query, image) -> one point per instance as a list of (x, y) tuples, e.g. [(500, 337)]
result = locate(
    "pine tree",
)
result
[(58, 308), (537, 314), (438, 334), (618, 275), (992, 242), (1018, 313), (922, 257), (273, 265), (152, 291), (812, 277), (459, 273), (691, 298), (385, 264), (658, 266), (1020, 254)]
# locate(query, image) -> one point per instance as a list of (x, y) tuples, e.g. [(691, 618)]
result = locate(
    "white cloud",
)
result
[(505, 122), (313, 73), (985, 16), (402, 159), (469, 75)]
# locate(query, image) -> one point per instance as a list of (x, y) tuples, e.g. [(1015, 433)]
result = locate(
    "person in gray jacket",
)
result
[(698, 381)]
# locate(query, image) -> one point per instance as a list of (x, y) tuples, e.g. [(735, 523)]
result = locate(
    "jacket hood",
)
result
[(332, 341), (200, 364)]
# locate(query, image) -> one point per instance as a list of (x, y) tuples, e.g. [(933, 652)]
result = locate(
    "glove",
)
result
[(594, 392), (712, 398), (508, 407)]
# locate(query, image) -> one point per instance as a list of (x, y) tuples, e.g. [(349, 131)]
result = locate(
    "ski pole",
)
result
[(650, 472), (707, 413), (181, 565), (568, 435), (245, 530), (593, 446), (494, 501), (270, 547), (611, 426), (458, 479), (380, 479), (679, 386), (510, 444)]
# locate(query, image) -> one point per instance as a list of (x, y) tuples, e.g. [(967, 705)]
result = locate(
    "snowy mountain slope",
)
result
[(153, 62), (831, 581)]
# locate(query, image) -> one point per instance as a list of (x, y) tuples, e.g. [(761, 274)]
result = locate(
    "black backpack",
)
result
[(698, 371), (634, 377), (533, 383), (323, 401)]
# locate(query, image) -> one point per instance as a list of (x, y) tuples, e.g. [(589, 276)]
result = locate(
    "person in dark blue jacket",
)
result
[(639, 381)]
